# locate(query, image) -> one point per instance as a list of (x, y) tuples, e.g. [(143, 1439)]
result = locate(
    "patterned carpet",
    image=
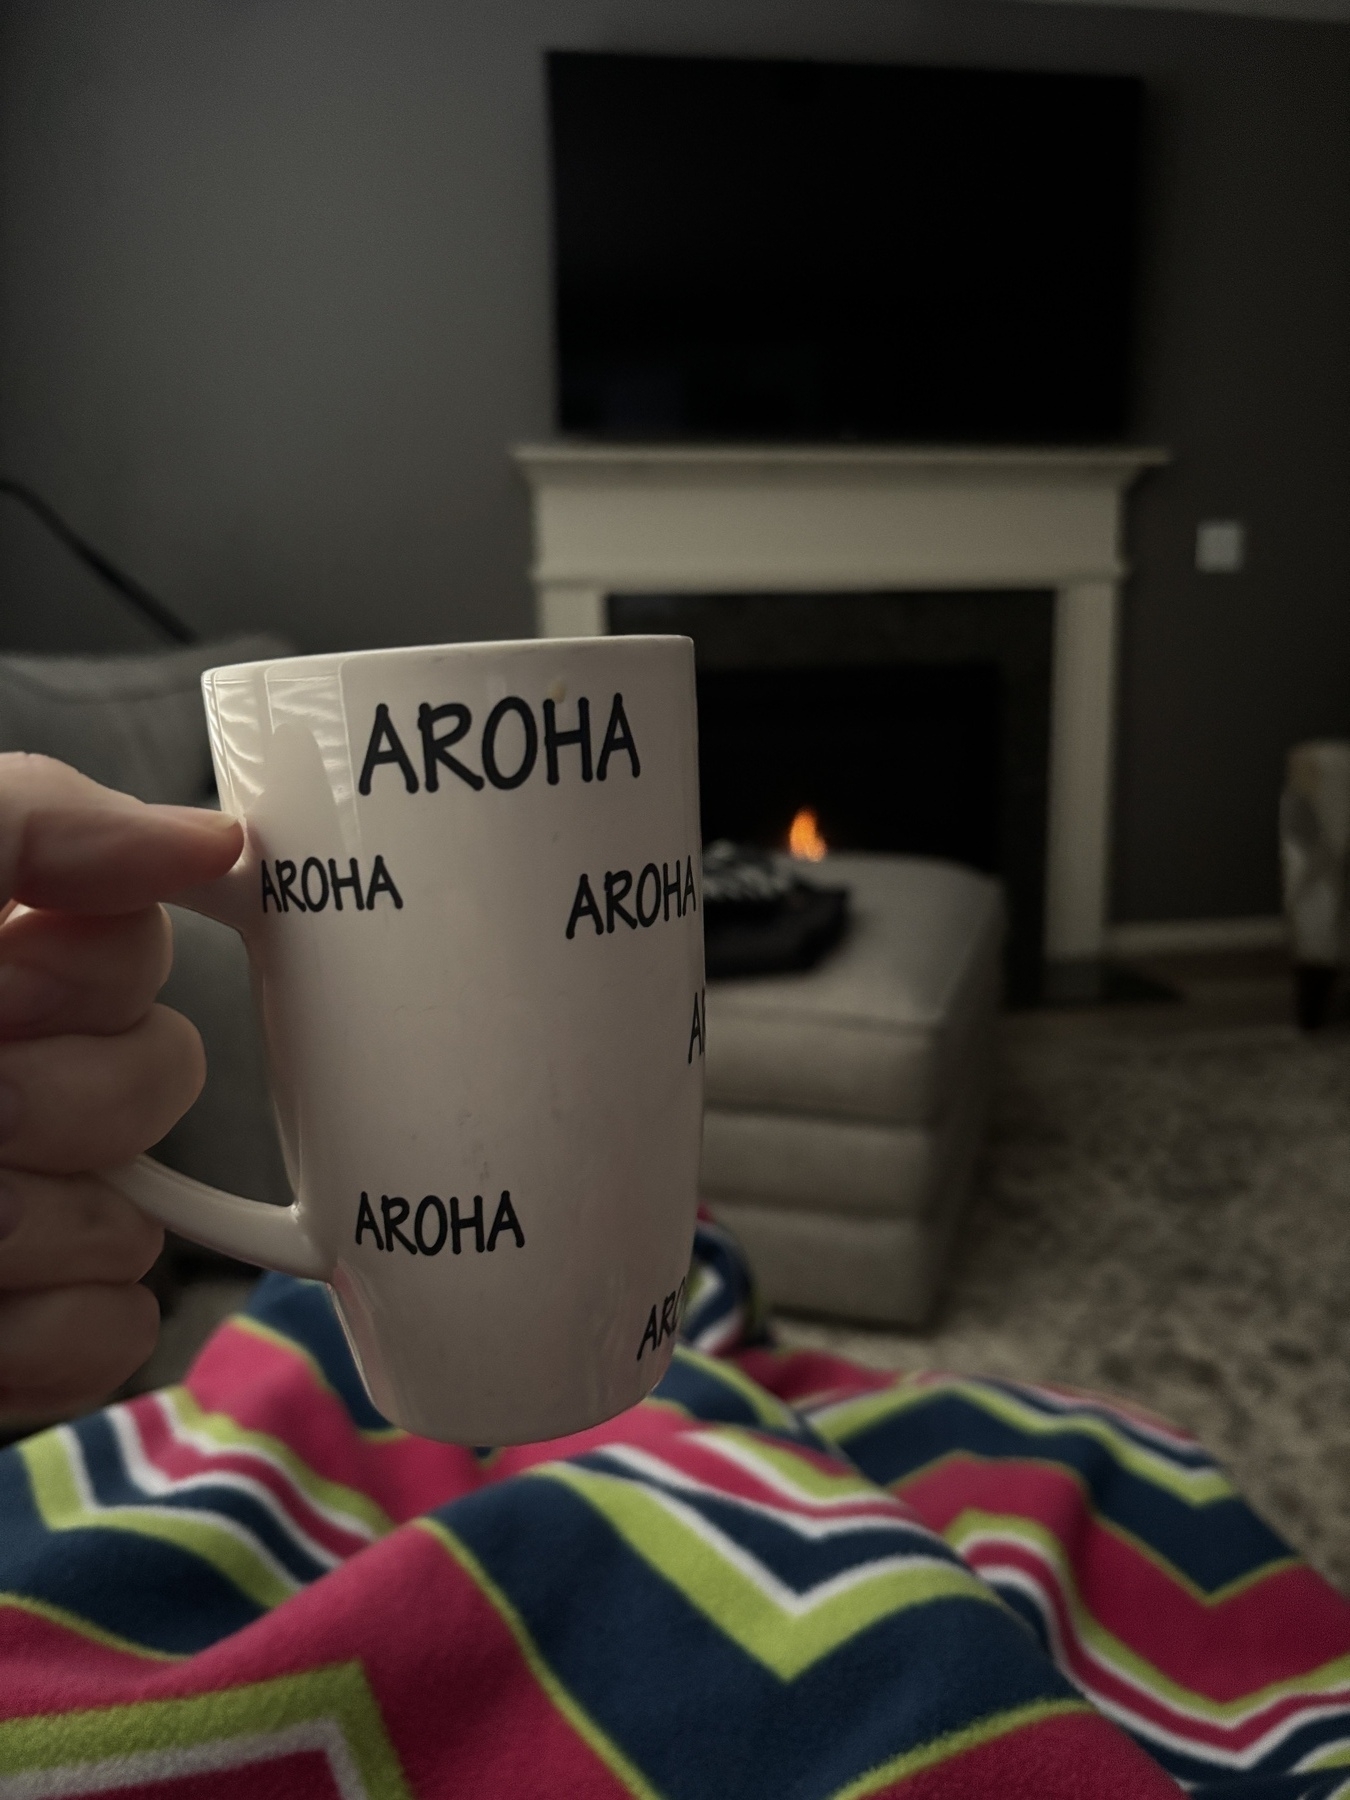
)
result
[(1166, 1214)]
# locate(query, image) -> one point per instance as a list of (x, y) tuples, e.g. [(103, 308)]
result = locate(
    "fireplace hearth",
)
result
[(906, 722)]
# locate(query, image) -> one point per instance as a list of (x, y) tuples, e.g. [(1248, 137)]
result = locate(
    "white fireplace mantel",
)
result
[(722, 519)]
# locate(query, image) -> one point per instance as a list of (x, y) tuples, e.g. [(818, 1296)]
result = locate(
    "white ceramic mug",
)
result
[(471, 901)]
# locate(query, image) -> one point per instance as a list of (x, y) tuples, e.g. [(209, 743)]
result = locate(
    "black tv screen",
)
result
[(793, 250)]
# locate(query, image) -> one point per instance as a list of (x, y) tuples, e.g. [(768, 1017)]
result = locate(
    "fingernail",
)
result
[(11, 1108), (205, 816), (11, 1209), (28, 995)]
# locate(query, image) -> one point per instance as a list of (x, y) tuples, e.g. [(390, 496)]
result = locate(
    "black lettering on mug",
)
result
[(657, 1330), (584, 907), (646, 917), (433, 1225), (614, 895), (365, 1221), (698, 1030), (432, 1204), (382, 882), (314, 904), (317, 884), (554, 739), (436, 748), (505, 1220), (285, 877), (352, 882), (529, 749), (669, 888), (458, 1225), (385, 746), (395, 1211), (657, 886), (618, 736)]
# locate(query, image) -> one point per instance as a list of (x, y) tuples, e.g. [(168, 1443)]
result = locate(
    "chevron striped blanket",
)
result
[(782, 1575)]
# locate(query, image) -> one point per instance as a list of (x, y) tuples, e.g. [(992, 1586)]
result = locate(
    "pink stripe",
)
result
[(795, 1375), (697, 1458), (265, 1387), (463, 1711), (1065, 1758), (179, 1461), (1142, 1703), (1286, 1624)]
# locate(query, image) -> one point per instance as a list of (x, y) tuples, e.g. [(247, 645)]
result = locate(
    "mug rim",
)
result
[(332, 661)]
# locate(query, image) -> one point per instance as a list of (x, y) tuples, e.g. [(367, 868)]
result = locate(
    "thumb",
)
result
[(70, 845)]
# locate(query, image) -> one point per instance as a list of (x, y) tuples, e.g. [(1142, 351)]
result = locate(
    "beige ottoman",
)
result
[(846, 1105)]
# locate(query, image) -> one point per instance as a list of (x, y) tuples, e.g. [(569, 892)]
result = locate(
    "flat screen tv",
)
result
[(825, 251)]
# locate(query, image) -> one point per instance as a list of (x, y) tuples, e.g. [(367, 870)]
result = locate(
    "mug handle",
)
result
[(273, 1236)]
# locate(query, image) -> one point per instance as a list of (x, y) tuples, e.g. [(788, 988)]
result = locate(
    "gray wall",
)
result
[(274, 300)]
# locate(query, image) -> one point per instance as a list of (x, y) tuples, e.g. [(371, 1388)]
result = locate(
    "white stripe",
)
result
[(719, 1334), (138, 1768), (1308, 1709), (886, 1517), (152, 1481), (654, 1473), (220, 1521), (788, 1600), (205, 1445)]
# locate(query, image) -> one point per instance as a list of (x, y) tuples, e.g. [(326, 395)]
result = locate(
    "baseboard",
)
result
[(1180, 937)]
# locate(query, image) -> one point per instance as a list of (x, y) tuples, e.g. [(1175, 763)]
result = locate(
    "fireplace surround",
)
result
[(907, 723), (708, 520)]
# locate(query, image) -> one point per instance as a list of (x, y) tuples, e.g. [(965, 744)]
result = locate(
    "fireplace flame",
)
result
[(804, 839)]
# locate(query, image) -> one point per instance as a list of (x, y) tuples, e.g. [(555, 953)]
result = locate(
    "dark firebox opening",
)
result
[(910, 723)]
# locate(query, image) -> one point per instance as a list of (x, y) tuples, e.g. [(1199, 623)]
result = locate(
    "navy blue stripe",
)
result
[(113, 1486), (149, 1592), (696, 1385), (1212, 1544), (700, 1717), (302, 1310), (1185, 1456)]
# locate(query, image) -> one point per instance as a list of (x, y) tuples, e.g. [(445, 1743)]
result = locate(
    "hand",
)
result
[(92, 1072)]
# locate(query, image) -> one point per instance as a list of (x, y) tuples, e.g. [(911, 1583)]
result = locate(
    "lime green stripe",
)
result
[(570, 1708), (1199, 1487), (1335, 1757), (85, 1628), (338, 1692), (793, 1469), (1146, 1674), (279, 1341), (785, 1642), (229, 1434), (957, 1743), (58, 1502)]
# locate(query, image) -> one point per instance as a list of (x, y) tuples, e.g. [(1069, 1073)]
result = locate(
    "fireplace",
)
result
[(781, 522), (911, 723)]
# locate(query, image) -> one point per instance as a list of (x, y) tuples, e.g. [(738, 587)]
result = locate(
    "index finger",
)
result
[(68, 844)]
